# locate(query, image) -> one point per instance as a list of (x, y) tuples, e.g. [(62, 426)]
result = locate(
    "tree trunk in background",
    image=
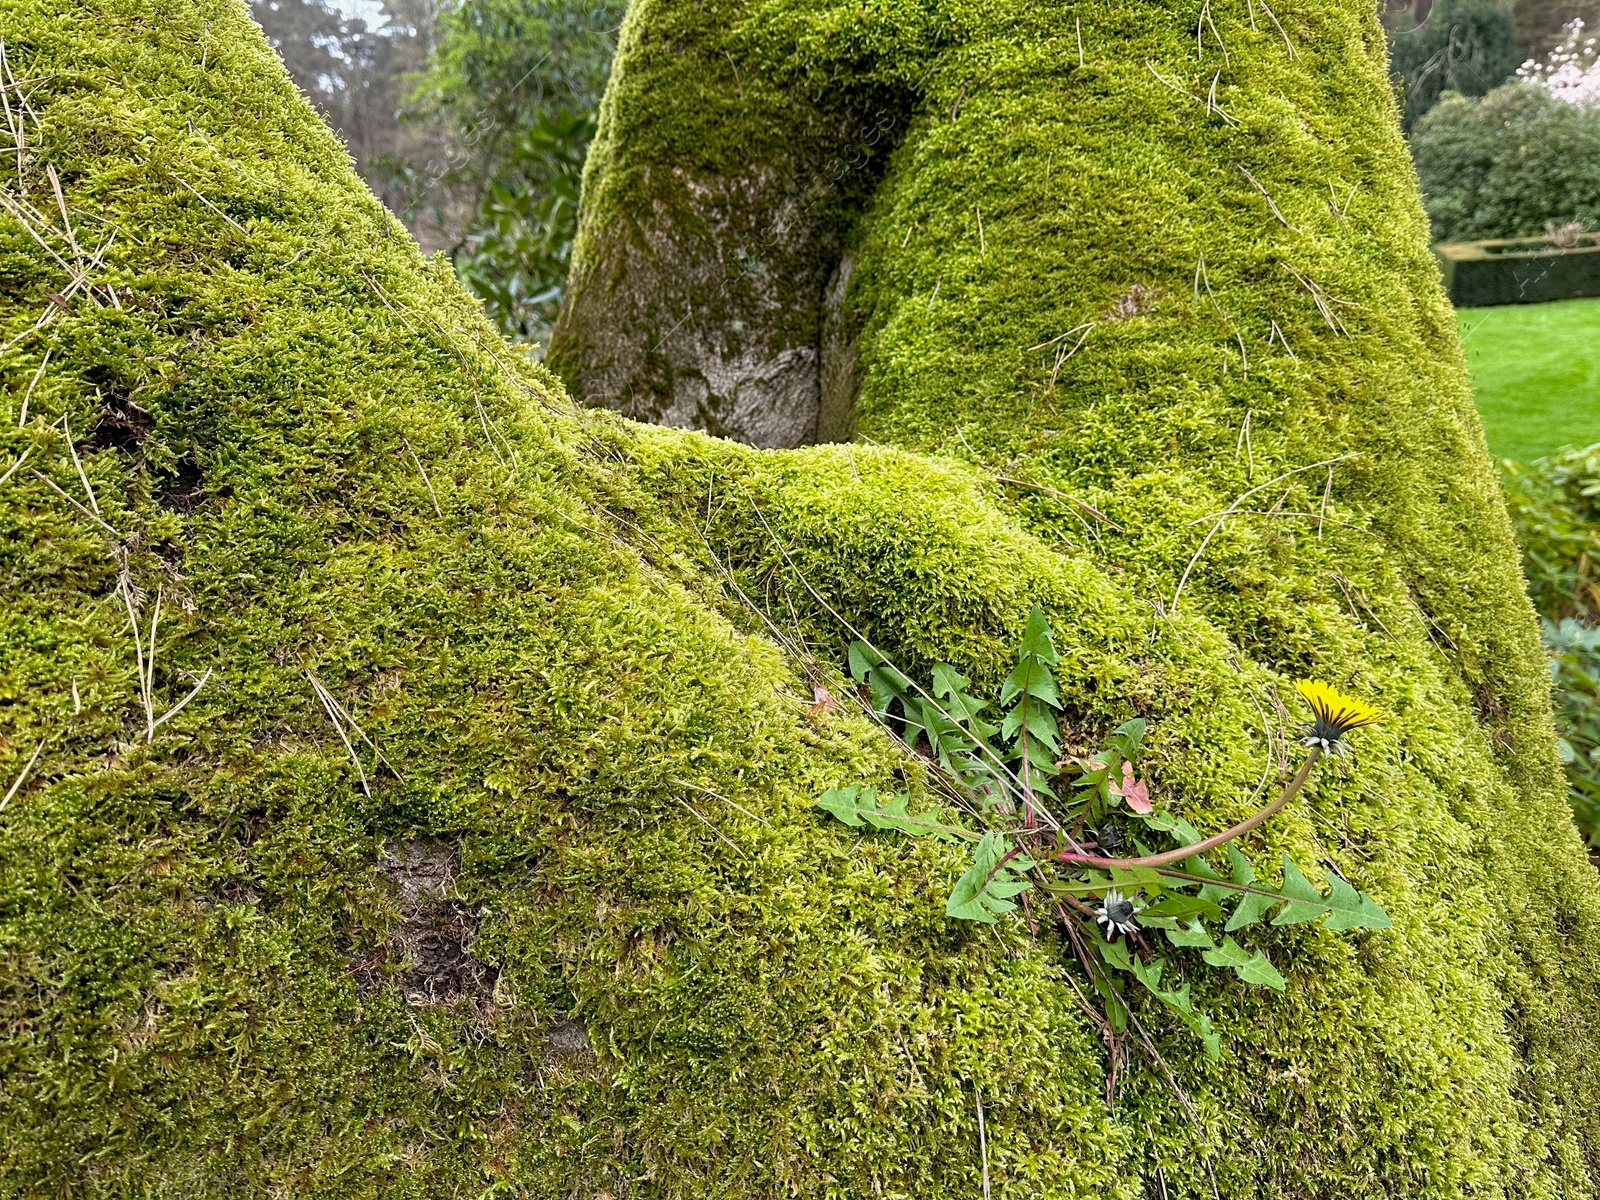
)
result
[(242, 958)]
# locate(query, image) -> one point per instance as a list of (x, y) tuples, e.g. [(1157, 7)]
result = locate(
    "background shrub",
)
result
[(1575, 674), (1505, 165), (1555, 505), (518, 83)]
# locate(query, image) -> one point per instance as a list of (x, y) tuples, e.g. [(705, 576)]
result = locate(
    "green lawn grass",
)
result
[(1536, 374)]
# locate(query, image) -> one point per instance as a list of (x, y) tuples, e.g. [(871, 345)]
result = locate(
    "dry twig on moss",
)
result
[(147, 666), (428, 483), (1233, 510), (12, 469), (1323, 300), (1199, 34), (333, 709), (737, 849), (54, 487), (1288, 45), (23, 778), (1210, 102), (1267, 196), (192, 191), (22, 415)]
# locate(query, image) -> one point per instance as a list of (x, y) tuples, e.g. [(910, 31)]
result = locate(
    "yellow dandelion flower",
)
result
[(1336, 715)]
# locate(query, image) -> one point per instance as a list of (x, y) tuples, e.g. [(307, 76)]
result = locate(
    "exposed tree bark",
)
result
[(534, 948), (716, 206)]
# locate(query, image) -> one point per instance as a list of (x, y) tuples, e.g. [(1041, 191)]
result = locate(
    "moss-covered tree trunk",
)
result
[(579, 930)]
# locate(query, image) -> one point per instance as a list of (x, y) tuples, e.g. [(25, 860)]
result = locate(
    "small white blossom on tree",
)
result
[(1571, 71)]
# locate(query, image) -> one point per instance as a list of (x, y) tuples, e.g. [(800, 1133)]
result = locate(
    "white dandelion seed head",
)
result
[(1116, 913)]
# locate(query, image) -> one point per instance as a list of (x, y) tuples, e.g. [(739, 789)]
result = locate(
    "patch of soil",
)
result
[(122, 424), (1135, 302), (433, 938), (566, 1039), (181, 489)]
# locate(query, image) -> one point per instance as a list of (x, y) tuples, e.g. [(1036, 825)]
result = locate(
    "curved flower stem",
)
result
[(1169, 857)]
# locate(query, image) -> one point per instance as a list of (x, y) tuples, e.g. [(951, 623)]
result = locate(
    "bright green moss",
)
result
[(194, 931), (1038, 190)]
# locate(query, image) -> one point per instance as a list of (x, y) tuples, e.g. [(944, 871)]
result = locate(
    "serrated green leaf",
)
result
[(1175, 904), (1092, 775), (887, 685), (841, 802), (1253, 968), (1029, 723), (1243, 872), (1110, 989), (882, 678), (1211, 893), (1039, 722), (1115, 953), (1351, 909), (859, 807), (1180, 830), (984, 890), (1229, 954), (1191, 934), (964, 708), (1031, 678), (1138, 879), (1038, 640), (946, 739), (1252, 907), (884, 813), (1042, 686), (1007, 888), (966, 901), (996, 905), (1098, 879), (1305, 903), (949, 682), (1127, 736), (1149, 974), (1260, 971), (861, 659)]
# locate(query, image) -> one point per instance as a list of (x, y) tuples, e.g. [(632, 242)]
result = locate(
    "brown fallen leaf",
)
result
[(825, 702)]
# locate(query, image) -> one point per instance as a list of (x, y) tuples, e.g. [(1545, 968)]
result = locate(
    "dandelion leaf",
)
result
[(1251, 906), (1350, 909), (1193, 933), (828, 234), (1305, 903), (860, 807), (1252, 967), (985, 889)]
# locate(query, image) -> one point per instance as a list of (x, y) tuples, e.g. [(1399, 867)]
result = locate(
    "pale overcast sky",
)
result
[(371, 10)]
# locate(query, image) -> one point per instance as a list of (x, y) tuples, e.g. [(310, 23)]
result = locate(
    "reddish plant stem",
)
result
[(1168, 857)]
